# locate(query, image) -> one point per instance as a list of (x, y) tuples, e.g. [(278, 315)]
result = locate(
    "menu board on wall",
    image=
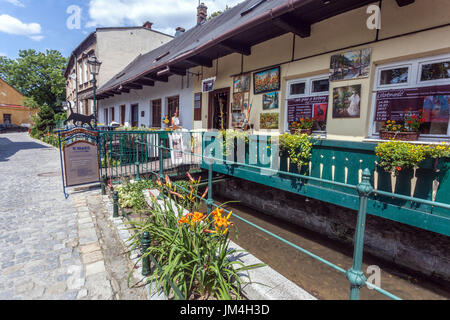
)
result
[(303, 107), (393, 104)]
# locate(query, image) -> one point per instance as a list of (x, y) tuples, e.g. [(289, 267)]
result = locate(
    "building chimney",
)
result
[(202, 12), (179, 31), (148, 25)]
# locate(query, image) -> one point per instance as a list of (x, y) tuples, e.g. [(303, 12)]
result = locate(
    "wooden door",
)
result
[(213, 116), (156, 113), (122, 115), (135, 115)]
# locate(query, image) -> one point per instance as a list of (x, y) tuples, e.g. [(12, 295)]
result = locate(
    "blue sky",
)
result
[(42, 24)]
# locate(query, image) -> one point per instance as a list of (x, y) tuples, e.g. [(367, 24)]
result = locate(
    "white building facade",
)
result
[(149, 106)]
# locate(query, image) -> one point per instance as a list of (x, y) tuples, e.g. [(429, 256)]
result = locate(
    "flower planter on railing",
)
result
[(344, 161)]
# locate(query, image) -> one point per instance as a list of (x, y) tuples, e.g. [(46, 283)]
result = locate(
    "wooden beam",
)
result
[(238, 47), (133, 86), (156, 78), (145, 82), (177, 71), (201, 61), (292, 24), (402, 3)]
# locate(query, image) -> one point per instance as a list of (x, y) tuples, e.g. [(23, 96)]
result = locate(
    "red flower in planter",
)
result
[(399, 168)]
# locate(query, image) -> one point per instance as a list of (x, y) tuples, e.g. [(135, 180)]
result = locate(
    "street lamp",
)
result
[(94, 67)]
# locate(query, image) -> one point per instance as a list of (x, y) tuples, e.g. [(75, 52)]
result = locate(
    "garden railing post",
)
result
[(138, 178), (355, 275), (161, 159), (210, 201), (145, 244), (115, 204)]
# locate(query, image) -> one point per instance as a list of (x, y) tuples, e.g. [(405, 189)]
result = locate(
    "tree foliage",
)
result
[(38, 76), (217, 13)]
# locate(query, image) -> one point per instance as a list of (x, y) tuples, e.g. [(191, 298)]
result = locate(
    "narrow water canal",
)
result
[(312, 275)]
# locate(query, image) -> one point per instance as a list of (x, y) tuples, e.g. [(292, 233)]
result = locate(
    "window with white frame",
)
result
[(308, 98), (419, 87)]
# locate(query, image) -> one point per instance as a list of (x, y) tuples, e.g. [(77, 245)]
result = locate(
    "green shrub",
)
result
[(298, 147)]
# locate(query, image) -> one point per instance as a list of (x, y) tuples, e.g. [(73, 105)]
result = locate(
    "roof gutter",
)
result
[(286, 7)]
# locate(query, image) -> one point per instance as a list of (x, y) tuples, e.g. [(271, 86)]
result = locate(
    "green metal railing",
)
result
[(364, 190), (355, 275)]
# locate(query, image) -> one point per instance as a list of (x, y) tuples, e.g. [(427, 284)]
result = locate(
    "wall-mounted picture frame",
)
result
[(241, 83), (270, 100), (347, 102), (266, 80), (350, 65), (269, 120), (208, 84)]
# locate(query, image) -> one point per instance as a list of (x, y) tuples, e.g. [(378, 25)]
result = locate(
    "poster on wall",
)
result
[(269, 120), (308, 107), (208, 84), (433, 101), (350, 65), (266, 80), (176, 146), (241, 83), (270, 100), (346, 102)]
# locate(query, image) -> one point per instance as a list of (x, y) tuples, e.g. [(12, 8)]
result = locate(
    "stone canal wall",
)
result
[(418, 250)]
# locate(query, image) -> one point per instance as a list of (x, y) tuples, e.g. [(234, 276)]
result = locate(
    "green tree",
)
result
[(217, 13), (38, 76)]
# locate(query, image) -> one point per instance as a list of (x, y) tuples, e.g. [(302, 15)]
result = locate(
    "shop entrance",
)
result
[(218, 110)]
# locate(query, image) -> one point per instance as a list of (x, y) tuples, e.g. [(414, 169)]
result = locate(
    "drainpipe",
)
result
[(76, 79)]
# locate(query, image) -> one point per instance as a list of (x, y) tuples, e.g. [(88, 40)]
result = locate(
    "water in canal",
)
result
[(315, 277)]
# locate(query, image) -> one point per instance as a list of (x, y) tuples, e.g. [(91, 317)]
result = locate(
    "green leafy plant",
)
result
[(130, 194), (192, 250), (395, 156), (227, 138), (298, 147)]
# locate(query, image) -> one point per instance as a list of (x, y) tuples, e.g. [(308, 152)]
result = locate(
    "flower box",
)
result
[(398, 135), (302, 131)]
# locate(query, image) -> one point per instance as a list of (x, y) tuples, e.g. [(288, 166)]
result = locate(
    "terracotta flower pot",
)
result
[(405, 136)]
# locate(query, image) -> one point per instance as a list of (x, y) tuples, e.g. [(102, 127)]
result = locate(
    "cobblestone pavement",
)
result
[(52, 248)]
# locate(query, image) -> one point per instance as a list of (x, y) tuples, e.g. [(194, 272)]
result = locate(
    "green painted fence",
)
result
[(343, 162)]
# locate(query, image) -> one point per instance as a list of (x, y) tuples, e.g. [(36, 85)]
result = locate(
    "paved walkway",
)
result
[(49, 246)]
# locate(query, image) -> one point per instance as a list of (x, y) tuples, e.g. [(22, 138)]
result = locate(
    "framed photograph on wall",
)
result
[(270, 100), (347, 102), (266, 80), (350, 65)]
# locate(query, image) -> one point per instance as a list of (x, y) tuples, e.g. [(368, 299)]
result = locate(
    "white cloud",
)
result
[(3, 54), (165, 14), (17, 3), (14, 26)]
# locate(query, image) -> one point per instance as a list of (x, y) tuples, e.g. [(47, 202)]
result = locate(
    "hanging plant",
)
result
[(298, 147)]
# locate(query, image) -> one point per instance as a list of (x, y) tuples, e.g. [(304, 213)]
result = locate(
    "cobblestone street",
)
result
[(49, 246)]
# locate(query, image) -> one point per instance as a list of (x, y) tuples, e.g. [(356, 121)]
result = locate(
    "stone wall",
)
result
[(412, 248)]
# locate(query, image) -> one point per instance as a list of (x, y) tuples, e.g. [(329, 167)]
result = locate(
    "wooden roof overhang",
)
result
[(293, 16)]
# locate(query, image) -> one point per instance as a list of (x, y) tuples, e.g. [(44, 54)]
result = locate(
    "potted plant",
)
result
[(407, 131), (302, 126)]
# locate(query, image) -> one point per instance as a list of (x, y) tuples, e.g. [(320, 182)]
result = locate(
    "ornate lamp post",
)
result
[(94, 67)]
